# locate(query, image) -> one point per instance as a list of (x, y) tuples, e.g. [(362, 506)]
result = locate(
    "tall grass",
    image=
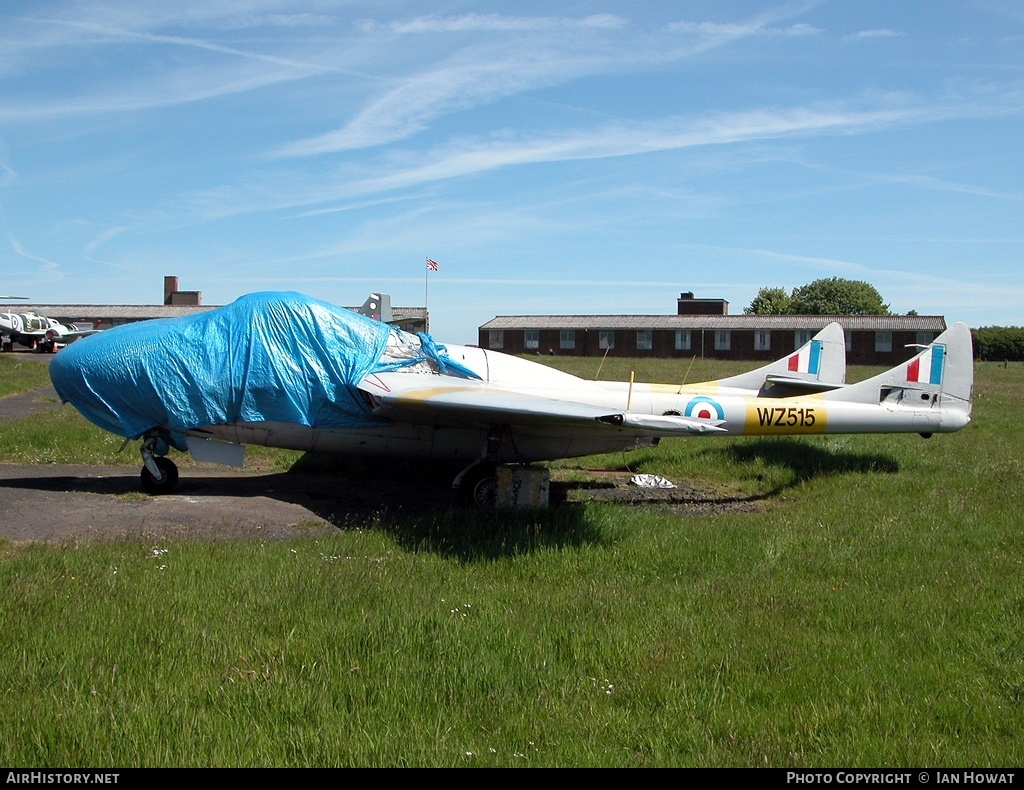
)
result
[(864, 610)]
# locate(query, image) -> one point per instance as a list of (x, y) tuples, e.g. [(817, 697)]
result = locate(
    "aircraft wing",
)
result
[(77, 333), (452, 401)]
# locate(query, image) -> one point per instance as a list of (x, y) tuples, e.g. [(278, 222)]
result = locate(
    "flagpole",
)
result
[(431, 266)]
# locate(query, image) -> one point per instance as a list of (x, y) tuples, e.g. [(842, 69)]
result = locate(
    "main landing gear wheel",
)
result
[(480, 486), (167, 480)]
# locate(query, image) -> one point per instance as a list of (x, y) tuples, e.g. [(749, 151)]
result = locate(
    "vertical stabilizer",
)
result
[(940, 375), (378, 307), (818, 365)]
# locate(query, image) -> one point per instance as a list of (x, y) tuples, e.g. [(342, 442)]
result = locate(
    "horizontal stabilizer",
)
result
[(797, 386)]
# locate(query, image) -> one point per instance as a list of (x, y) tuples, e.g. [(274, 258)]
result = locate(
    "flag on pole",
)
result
[(431, 265)]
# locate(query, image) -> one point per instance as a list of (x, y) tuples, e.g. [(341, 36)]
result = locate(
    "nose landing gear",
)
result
[(159, 474)]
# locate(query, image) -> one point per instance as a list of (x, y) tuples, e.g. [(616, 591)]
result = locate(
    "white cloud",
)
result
[(493, 69), (869, 34), (48, 267), (149, 92), (465, 158), (718, 31), (458, 83), (494, 23)]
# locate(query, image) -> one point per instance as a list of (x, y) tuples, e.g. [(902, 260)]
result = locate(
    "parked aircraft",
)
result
[(285, 370), (36, 331)]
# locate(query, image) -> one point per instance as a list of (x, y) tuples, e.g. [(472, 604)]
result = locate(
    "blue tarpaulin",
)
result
[(265, 357)]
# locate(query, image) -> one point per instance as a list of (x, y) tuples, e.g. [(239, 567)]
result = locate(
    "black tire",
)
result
[(479, 487), (167, 483)]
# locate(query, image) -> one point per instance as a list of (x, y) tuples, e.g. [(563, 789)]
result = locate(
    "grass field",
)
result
[(18, 374), (868, 611)]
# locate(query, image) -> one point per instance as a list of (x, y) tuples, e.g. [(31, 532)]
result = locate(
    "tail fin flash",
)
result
[(928, 367), (817, 366), (941, 375)]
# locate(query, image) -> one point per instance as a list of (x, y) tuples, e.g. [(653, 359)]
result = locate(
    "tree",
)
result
[(836, 296), (770, 301), (999, 343)]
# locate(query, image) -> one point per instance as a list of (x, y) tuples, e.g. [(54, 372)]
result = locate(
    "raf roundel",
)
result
[(704, 408)]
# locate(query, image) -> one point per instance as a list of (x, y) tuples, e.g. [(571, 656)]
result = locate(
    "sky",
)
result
[(574, 157)]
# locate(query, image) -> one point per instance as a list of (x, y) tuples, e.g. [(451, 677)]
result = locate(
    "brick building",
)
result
[(703, 328)]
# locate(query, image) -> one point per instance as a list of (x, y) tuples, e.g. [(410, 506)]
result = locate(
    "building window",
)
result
[(801, 337), (682, 340), (495, 339), (925, 338), (644, 339), (762, 340), (883, 342), (606, 339), (567, 339), (531, 338), (723, 340)]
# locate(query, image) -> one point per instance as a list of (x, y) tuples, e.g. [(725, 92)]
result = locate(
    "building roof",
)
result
[(131, 312), (891, 323), (405, 313), (139, 312)]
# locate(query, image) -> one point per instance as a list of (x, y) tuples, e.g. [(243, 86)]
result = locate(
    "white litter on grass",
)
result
[(651, 481)]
